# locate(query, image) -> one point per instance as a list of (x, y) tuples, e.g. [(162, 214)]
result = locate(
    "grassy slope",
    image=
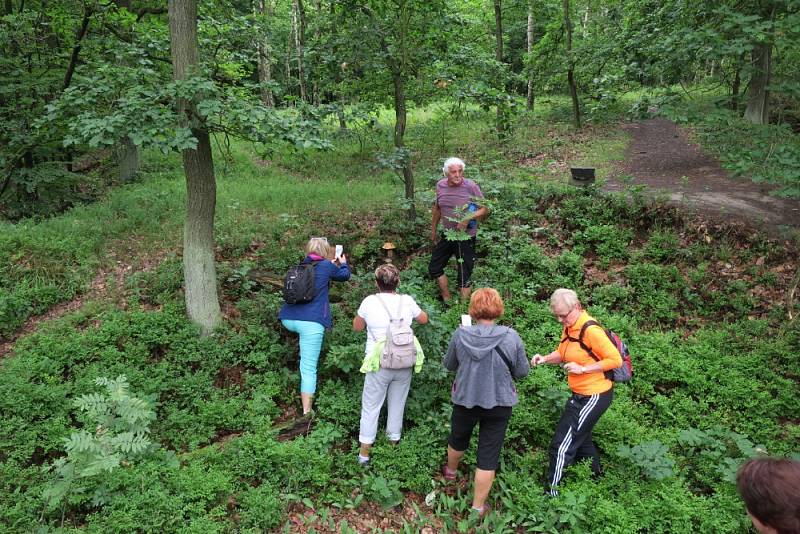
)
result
[(701, 364)]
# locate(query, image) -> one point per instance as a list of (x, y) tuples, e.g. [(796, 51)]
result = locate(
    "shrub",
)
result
[(662, 246), (121, 427), (260, 508), (656, 291), (650, 457), (609, 242)]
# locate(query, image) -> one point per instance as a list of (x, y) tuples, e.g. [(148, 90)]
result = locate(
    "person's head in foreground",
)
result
[(770, 489)]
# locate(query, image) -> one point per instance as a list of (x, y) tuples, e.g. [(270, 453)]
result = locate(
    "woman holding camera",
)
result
[(309, 320)]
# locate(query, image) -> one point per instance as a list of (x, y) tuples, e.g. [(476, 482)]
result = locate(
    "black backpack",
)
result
[(298, 284)]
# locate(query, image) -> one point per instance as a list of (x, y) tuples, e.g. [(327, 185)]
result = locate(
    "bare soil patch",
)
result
[(662, 157), (108, 284)]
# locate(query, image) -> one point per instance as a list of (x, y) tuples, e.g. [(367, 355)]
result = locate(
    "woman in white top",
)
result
[(382, 384)]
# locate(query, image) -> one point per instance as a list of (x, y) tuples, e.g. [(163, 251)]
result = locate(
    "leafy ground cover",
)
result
[(702, 306)]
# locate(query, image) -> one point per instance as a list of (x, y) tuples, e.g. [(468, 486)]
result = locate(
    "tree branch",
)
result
[(149, 11), (127, 39), (73, 60)]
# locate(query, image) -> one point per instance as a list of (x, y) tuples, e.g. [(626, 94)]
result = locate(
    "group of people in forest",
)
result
[(487, 358)]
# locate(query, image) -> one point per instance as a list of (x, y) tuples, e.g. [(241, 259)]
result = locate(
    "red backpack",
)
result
[(620, 374)]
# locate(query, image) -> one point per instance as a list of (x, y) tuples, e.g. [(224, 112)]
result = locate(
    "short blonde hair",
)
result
[(567, 297), (319, 246), (486, 303), (388, 277)]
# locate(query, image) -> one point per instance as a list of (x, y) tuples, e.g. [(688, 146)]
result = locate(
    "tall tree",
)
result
[(200, 274), (299, 32), (501, 120), (573, 88), (403, 35), (263, 9), (126, 152), (757, 110), (529, 50)]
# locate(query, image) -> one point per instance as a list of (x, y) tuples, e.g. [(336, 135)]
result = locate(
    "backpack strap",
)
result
[(579, 339), (378, 296), (399, 308), (502, 354), (584, 346)]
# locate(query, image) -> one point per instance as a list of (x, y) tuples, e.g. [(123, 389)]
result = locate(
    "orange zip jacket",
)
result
[(597, 340)]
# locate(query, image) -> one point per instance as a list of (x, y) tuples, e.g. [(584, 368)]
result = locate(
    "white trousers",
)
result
[(391, 385)]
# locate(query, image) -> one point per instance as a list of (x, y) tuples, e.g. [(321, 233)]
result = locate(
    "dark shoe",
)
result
[(449, 474), (304, 420)]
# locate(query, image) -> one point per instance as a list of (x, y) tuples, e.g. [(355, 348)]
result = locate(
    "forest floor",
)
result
[(662, 157)]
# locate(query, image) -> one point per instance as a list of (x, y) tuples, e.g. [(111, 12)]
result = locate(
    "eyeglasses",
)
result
[(323, 238), (562, 316)]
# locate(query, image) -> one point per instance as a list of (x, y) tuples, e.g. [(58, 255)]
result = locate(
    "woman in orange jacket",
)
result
[(592, 391)]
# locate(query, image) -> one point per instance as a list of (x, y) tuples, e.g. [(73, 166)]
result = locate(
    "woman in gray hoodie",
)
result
[(487, 358)]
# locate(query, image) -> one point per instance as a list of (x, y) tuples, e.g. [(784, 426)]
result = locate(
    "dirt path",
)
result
[(661, 157), (107, 284)]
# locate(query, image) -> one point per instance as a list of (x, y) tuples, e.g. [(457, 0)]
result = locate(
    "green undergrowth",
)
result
[(702, 309), (714, 381)]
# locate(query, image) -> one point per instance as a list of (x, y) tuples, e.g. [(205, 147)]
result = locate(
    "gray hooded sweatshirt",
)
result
[(482, 377)]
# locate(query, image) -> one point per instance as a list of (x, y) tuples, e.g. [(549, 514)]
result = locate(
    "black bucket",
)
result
[(582, 176)]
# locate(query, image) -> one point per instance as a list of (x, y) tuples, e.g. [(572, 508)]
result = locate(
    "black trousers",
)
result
[(492, 424), (464, 251), (573, 438)]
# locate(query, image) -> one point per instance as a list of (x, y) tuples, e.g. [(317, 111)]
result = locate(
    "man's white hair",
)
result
[(449, 162)]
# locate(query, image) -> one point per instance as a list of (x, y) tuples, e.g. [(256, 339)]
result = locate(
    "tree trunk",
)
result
[(126, 152), (264, 61), (315, 93), (127, 156), (498, 55), (737, 83), (498, 30), (399, 134), (757, 110), (529, 49), (200, 275), (299, 42), (585, 22), (573, 89), (9, 7)]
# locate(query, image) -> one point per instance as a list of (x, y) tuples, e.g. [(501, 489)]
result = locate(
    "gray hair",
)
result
[(567, 297), (449, 162)]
